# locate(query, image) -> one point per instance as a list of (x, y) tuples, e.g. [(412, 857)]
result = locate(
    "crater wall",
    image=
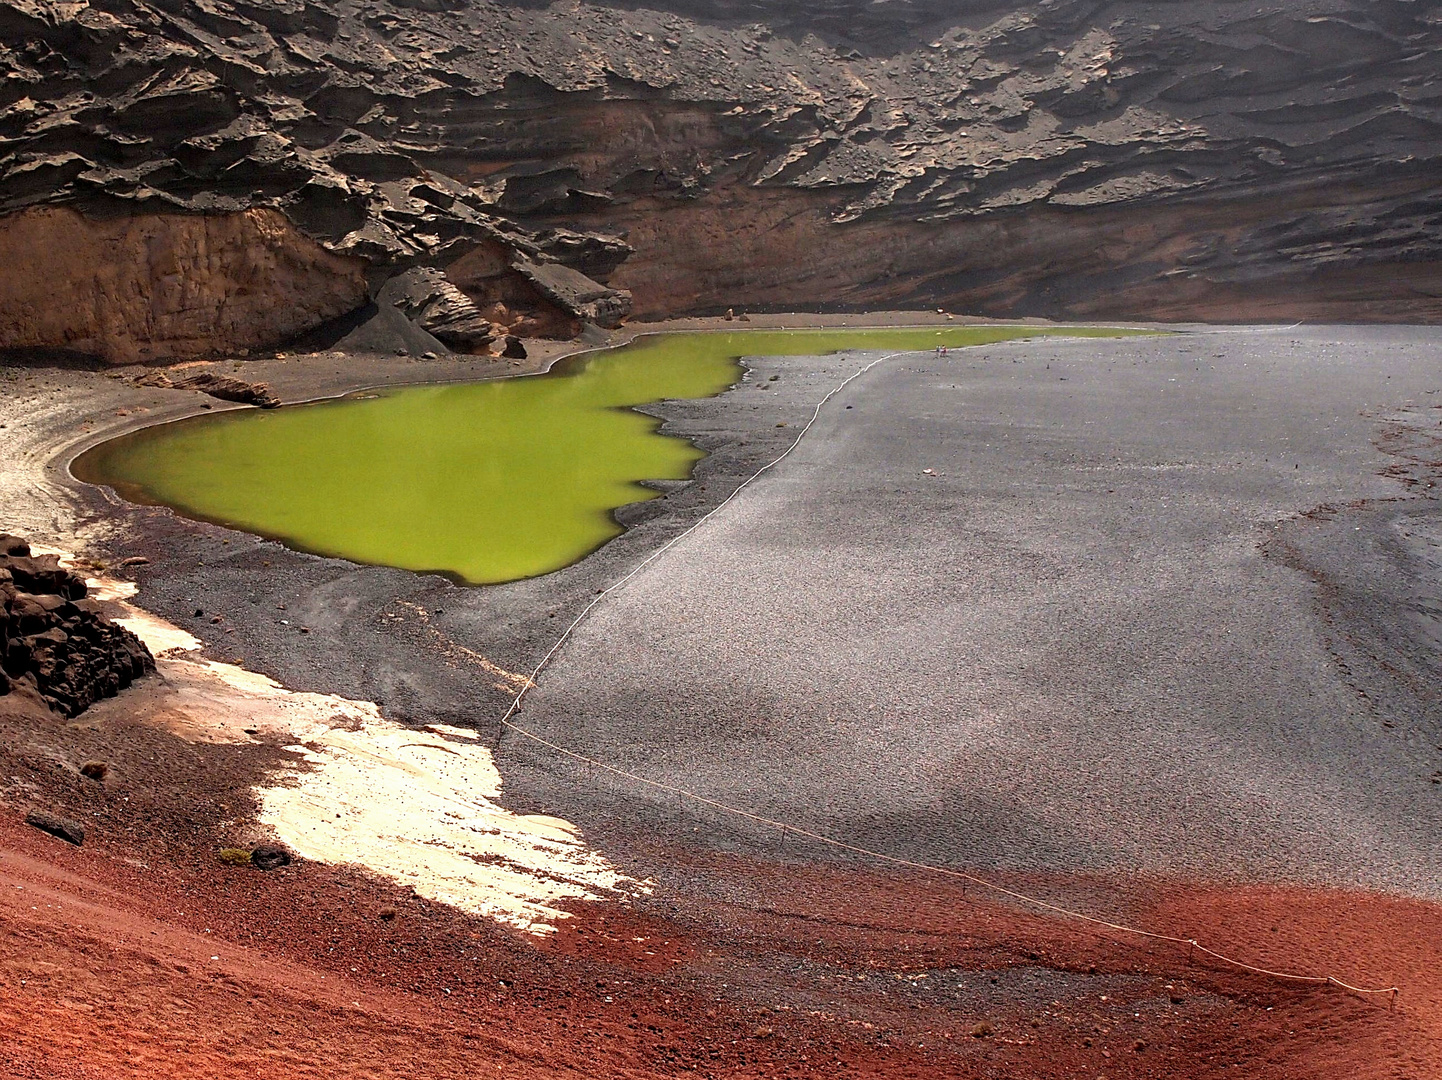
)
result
[(1191, 160)]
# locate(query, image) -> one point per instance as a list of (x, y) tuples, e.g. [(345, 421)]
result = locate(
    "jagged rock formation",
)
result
[(1051, 157), (432, 300), (58, 645), (221, 387)]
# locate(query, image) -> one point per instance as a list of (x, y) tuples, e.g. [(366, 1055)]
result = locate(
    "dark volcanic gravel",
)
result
[(1156, 606)]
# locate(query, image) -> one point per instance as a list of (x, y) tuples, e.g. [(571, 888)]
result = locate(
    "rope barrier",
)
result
[(1245, 330), (786, 828)]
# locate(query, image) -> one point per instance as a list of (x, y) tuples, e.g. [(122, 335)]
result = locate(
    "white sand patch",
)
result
[(416, 806), (160, 637), (413, 805)]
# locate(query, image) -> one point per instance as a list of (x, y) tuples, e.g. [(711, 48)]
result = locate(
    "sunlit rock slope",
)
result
[(568, 163)]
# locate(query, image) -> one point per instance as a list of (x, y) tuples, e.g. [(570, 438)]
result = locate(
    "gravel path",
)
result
[(1138, 605)]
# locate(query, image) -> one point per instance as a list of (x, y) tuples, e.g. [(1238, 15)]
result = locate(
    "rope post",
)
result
[(1392, 1005), (1191, 948)]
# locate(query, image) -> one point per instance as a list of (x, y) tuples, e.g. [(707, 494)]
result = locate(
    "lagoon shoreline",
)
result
[(429, 653)]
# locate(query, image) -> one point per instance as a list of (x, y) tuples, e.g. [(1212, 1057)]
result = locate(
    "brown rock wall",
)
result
[(1220, 259), (147, 286)]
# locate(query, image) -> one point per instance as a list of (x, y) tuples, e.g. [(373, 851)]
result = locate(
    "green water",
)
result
[(485, 482)]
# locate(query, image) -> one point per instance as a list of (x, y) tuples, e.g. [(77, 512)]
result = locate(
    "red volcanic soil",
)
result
[(112, 966)]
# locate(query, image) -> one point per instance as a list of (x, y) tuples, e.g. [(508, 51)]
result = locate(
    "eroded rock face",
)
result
[(147, 286), (57, 644), (766, 153), (429, 299)]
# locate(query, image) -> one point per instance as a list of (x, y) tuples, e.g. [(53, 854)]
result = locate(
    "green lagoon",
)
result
[(485, 482)]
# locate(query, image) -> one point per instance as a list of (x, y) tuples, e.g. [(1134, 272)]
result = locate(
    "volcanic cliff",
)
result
[(183, 177)]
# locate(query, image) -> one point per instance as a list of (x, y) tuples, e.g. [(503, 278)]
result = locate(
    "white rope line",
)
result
[(566, 634), (506, 723), (1244, 330)]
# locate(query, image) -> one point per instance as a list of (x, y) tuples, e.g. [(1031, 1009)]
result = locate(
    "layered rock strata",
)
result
[(221, 387), (58, 644), (562, 163)]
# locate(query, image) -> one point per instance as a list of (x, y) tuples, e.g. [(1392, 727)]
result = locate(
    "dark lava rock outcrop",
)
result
[(72, 832), (58, 645), (562, 164), (432, 301)]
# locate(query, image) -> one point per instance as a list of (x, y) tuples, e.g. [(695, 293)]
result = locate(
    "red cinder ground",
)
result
[(113, 964)]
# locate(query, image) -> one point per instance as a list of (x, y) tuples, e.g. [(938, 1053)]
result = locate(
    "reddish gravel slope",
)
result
[(113, 968)]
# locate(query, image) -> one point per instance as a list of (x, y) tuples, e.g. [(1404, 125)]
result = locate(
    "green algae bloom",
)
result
[(485, 482)]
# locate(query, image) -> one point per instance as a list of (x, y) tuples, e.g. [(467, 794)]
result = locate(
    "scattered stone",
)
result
[(95, 770), (134, 560), (386, 914), (982, 1030), (226, 388), (515, 348), (72, 832), (234, 856), (268, 857)]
